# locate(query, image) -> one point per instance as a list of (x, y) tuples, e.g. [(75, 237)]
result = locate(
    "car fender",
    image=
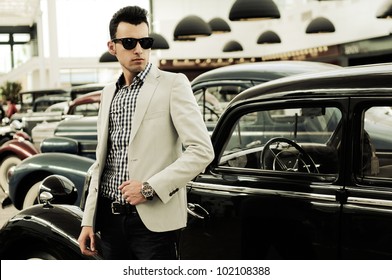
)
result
[(22, 149), (22, 135), (44, 231), (38, 167)]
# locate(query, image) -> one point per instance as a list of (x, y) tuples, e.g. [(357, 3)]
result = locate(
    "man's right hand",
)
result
[(87, 241)]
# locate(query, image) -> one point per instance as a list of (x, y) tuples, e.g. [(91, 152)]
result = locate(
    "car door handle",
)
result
[(195, 210), (341, 195)]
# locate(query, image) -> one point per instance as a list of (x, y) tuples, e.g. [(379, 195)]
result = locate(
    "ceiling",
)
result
[(18, 12)]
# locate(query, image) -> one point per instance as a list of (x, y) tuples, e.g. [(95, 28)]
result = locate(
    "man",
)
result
[(11, 108), (2, 112), (151, 142)]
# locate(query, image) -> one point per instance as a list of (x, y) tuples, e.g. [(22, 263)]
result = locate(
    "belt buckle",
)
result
[(116, 208)]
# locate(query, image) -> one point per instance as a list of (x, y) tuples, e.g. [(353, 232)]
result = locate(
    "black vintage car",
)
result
[(302, 170), (213, 90)]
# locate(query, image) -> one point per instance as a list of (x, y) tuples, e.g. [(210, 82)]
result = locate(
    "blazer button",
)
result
[(173, 192)]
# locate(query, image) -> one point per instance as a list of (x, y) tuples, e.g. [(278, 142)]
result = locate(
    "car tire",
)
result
[(39, 255), (5, 166), (31, 196), (29, 249)]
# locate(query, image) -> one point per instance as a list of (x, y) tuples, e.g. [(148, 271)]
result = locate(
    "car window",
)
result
[(89, 109), (26, 101), (212, 100), (286, 140), (376, 147), (42, 105)]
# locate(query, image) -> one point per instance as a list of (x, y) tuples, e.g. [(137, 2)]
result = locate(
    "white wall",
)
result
[(83, 31), (353, 20)]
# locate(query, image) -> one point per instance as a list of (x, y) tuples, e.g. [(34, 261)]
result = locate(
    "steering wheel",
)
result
[(212, 111), (284, 157)]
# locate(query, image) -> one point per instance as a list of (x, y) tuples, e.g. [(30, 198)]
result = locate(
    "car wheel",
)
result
[(29, 249), (39, 255), (31, 197), (5, 166)]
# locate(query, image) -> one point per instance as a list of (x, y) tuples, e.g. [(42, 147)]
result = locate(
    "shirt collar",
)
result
[(141, 77)]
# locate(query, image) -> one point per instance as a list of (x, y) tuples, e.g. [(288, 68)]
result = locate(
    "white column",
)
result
[(41, 55), (54, 70)]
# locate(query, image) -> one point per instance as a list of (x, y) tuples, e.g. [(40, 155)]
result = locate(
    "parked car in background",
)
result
[(81, 131), (217, 82), (26, 99), (296, 175), (34, 104), (7, 132), (25, 121), (30, 119), (214, 89), (80, 141), (11, 154), (85, 105), (70, 152)]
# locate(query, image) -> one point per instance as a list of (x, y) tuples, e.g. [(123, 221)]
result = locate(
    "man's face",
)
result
[(136, 59)]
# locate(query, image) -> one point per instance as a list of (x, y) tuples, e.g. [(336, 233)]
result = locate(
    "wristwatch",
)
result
[(147, 191)]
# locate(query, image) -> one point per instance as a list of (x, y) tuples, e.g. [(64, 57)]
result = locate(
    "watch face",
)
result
[(147, 191)]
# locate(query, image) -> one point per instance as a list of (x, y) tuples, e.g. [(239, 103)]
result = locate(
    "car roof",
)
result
[(87, 88), (356, 77), (90, 97), (262, 71), (60, 106), (77, 91), (92, 94), (57, 97), (45, 91), (83, 121)]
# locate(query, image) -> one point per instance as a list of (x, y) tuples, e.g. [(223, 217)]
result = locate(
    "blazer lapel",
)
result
[(145, 95), (107, 94)]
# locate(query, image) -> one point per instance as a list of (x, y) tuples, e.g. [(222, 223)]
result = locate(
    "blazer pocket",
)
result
[(155, 115)]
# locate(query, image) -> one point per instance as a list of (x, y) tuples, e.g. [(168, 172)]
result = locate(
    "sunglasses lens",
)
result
[(129, 43), (146, 43)]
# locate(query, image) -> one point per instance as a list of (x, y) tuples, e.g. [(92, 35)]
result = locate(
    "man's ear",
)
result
[(112, 48)]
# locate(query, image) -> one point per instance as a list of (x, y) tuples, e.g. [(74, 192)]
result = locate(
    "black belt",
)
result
[(123, 209), (118, 208)]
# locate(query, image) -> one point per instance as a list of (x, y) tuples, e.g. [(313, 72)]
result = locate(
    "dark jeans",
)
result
[(125, 237)]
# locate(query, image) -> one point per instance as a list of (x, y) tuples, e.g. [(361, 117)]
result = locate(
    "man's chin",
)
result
[(138, 67)]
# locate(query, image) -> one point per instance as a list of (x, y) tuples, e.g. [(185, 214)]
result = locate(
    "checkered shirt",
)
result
[(120, 122)]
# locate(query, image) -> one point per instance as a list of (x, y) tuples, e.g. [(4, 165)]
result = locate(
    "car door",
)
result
[(367, 215), (260, 199)]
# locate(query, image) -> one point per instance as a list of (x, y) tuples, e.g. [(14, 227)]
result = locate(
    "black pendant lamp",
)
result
[(108, 57), (253, 10), (232, 46), (184, 39), (160, 42), (268, 37), (385, 10), (219, 25), (191, 27), (320, 25)]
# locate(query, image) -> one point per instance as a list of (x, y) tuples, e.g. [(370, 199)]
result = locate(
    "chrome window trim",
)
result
[(234, 190)]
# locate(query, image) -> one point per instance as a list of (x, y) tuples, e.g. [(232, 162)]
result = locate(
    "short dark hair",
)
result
[(130, 14)]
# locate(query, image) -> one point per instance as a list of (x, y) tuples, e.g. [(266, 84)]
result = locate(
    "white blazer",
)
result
[(167, 119)]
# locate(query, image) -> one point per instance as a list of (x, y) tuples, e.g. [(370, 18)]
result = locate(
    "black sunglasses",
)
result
[(130, 43)]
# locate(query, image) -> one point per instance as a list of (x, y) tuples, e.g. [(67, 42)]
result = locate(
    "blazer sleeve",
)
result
[(192, 132)]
